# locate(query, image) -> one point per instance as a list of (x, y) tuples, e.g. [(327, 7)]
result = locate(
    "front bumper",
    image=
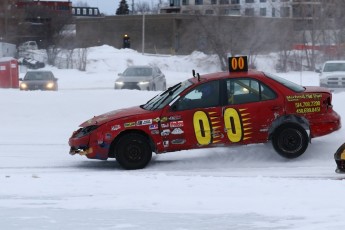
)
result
[(333, 82), (89, 145), (132, 85)]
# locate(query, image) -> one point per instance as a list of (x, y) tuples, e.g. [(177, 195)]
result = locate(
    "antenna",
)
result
[(198, 76), (193, 72)]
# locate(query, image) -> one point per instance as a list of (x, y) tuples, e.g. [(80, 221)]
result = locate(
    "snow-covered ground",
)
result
[(245, 187)]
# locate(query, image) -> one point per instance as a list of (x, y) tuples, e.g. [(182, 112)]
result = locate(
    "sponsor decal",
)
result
[(165, 125), (175, 118), (153, 126), (307, 96), (156, 131), (175, 124), (177, 131), (144, 122), (107, 136), (308, 106), (115, 127), (166, 144), (129, 124), (178, 141), (308, 110), (164, 119), (157, 119), (165, 132)]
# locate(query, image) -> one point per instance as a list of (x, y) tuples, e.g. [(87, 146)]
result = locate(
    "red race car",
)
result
[(219, 109)]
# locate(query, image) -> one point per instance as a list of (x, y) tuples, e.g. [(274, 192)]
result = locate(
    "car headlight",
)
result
[(85, 131), (119, 83), (50, 85), (144, 82), (23, 86)]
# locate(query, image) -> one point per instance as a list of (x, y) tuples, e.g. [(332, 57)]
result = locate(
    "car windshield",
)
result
[(333, 67), (38, 76), (136, 72), (167, 96), (291, 85)]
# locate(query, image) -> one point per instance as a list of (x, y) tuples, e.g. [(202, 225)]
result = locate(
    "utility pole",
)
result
[(143, 34), (6, 8), (132, 6)]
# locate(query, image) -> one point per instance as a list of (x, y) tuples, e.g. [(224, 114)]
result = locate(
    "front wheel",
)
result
[(290, 141), (133, 151)]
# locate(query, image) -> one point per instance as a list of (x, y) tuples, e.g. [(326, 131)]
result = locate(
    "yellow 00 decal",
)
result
[(203, 128), (233, 125)]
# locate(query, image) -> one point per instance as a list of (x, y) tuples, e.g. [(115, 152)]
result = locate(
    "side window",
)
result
[(202, 96), (246, 90)]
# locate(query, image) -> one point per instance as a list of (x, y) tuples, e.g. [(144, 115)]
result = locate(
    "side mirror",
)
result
[(174, 107)]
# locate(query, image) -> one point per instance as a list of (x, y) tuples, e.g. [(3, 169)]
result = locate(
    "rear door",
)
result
[(250, 109)]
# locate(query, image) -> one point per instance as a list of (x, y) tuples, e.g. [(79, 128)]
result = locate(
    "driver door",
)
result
[(194, 120)]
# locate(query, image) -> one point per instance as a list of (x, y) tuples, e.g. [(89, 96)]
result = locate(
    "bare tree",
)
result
[(142, 7)]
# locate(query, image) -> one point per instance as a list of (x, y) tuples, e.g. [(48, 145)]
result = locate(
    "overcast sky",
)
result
[(109, 7)]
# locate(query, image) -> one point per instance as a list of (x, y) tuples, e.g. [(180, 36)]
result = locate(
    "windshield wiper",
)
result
[(170, 91)]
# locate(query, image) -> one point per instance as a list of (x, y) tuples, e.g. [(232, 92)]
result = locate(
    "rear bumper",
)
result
[(325, 124)]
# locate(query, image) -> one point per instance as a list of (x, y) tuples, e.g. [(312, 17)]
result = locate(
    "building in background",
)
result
[(253, 8)]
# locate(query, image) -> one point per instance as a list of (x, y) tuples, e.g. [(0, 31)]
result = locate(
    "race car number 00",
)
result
[(238, 64), (232, 123)]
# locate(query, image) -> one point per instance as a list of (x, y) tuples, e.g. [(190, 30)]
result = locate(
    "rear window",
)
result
[(289, 84)]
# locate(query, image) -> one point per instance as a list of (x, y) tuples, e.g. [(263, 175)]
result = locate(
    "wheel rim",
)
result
[(290, 140), (134, 153)]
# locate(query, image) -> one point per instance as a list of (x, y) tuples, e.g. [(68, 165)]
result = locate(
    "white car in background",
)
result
[(332, 74), (141, 78), (29, 45)]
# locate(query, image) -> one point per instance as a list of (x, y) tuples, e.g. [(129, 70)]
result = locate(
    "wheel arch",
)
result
[(289, 120), (113, 144)]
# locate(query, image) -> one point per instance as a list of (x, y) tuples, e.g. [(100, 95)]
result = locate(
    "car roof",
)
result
[(226, 74), (139, 66), (335, 61)]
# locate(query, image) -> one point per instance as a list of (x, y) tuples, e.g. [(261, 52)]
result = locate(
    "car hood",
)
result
[(332, 74), (36, 81), (134, 79), (115, 114)]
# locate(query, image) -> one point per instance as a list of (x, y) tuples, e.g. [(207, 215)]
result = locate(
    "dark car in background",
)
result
[(31, 63), (141, 78), (39, 80)]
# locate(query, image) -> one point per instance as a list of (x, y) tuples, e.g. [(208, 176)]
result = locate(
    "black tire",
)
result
[(133, 151), (290, 141)]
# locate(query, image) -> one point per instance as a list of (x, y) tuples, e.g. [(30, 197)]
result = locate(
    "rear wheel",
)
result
[(133, 151), (290, 141)]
